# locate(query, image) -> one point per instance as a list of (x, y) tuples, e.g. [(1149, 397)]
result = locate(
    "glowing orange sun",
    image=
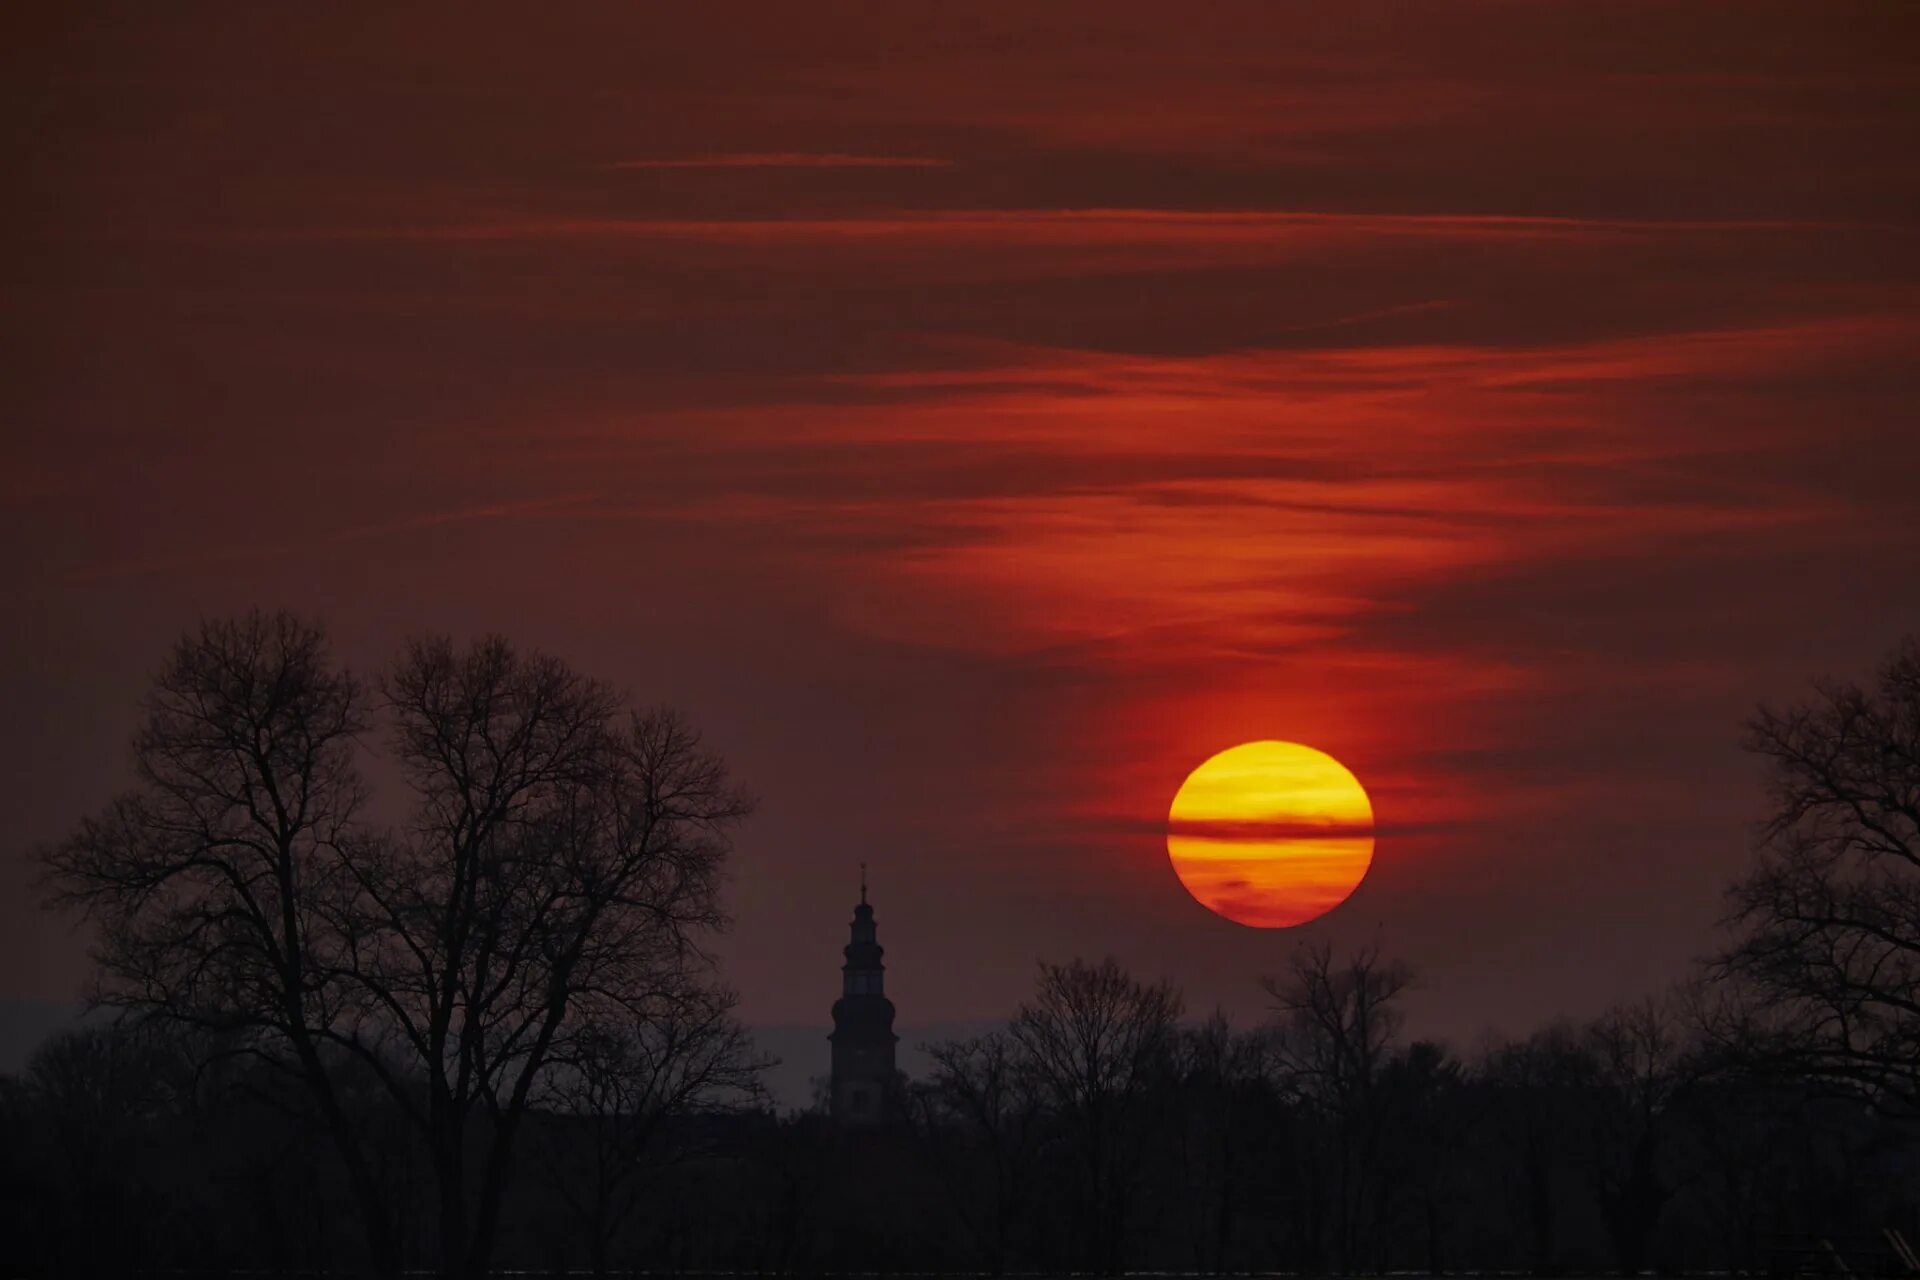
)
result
[(1271, 834)]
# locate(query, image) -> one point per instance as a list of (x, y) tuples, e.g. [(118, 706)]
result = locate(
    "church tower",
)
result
[(864, 1080)]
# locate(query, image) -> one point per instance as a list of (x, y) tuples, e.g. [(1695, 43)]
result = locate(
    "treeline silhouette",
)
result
[(487, 1034)]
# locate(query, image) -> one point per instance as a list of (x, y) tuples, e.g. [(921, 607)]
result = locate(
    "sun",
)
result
[(1271, 834)]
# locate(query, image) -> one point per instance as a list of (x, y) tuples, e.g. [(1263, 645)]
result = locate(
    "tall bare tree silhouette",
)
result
[(1823, 975), (624, 1081), (1337, 1023), (982, 1115), (560, 856), (1099, 1043)]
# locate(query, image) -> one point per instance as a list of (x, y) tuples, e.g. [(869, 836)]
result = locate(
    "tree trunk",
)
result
[(383, 1242), (455, 1262)]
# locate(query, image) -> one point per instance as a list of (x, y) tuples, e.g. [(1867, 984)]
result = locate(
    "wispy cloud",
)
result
[(1303, 492), (782, 160), (1068, 227)]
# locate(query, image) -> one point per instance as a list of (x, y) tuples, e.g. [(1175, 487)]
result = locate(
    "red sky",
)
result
[(976, 415)]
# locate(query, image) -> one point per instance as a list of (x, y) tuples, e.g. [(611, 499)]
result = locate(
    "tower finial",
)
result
[(863, 884)]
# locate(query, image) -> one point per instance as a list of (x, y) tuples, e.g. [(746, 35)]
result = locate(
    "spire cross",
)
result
[(863, 884)]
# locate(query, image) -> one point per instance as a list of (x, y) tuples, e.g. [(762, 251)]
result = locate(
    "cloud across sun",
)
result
[(1271, 834)]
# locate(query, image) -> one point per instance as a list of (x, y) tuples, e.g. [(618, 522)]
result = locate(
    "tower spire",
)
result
[(866, 1081)]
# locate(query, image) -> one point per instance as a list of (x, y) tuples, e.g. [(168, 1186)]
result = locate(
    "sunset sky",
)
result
[(975, 416)]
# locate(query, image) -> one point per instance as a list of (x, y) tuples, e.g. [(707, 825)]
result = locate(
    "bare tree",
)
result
[(110, 1098), (211, 881), (627, 1081), (1822, 977), (1539, 1094), (1642, 1063), (984, 1087), (557, 863), (1421, 1098), (1223, 1074), (1099, 1043), (559, 859), (1337, 1024)]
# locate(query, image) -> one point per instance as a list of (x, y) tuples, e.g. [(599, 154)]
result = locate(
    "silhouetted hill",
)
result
[(25, 1025)]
